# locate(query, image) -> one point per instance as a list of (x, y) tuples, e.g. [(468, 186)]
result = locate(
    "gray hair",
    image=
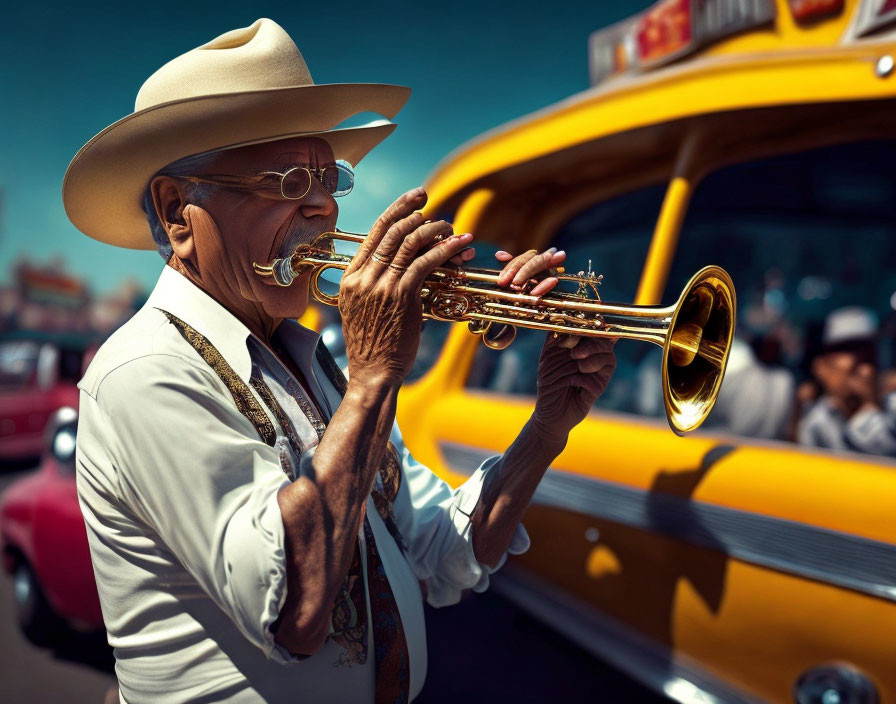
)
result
[(195, 192)]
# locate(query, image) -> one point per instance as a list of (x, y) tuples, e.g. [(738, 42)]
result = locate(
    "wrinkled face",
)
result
[(273, 224), (249, 222)]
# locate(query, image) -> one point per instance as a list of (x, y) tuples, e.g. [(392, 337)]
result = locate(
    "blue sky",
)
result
[(68, 72)]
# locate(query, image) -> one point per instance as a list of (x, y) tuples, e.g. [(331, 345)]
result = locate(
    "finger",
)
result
[(604, 375), (465, 256), (594, 345), (513, 266), (401, 208), (538, 264), (589, 383), (595, 362), (503, 256), (544, 286), (568, 341), (388, 246), (562, 340), (594, 383), (421, 267), (421, 239)]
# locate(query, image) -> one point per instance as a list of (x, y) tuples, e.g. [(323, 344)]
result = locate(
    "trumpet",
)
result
[(695, 333)]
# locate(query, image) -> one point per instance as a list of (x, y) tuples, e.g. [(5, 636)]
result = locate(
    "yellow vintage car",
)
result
[(731, 565)]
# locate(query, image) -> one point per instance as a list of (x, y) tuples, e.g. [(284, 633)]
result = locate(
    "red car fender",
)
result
[(61, 554), (17, 515)]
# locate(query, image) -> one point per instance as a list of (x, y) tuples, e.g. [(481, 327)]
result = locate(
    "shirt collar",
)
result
[(300, 343), (177, 295)]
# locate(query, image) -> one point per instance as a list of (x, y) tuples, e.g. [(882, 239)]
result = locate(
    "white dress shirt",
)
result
[(179, 496), (871, 430)]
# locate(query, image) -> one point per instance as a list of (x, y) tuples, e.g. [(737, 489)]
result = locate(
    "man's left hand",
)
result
[(572, 374), (572, 371)]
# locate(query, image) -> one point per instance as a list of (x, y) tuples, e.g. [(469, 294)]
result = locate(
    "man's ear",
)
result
[(169, 202)]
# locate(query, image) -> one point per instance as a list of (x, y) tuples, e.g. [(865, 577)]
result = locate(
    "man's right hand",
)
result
[(379, 294)]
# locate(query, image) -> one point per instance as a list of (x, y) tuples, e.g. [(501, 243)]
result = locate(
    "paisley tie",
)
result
[(349, 617), (390, 646)]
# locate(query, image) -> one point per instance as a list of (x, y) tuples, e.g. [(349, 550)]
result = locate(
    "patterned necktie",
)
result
[(391, 662), (350, 623)]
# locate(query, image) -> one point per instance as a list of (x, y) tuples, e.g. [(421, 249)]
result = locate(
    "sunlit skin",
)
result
[(215, 245)]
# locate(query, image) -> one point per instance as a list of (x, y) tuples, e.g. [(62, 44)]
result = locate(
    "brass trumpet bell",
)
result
[(695, 351), (695, 333)]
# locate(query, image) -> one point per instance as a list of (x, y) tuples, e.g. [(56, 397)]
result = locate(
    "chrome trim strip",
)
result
[(816, 553), (672, 674)]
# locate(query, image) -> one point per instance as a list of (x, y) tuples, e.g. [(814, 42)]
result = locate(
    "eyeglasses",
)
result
[(338, 180)]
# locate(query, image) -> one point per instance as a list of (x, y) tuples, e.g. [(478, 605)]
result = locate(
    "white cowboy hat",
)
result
[(247, 86)]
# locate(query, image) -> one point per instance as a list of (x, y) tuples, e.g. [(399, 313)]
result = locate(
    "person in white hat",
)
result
[(259, 531), (847, 415)]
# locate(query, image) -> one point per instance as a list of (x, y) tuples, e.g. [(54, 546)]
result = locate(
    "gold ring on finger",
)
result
[(397, 267), (380, 258)]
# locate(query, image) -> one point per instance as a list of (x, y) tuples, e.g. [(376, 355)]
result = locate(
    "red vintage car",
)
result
[(39, 373), (44, 541)]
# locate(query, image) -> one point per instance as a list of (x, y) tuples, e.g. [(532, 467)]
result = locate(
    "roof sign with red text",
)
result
[(671, 29), (48, 285), (808, 10)]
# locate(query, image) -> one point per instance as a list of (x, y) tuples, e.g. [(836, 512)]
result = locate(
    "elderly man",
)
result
[(259, 531)]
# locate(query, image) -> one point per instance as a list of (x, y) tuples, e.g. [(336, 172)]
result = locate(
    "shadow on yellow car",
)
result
[(749, 561)]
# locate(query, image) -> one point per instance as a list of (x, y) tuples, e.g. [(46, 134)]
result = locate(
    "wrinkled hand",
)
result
[(379, 296), (572, 371)]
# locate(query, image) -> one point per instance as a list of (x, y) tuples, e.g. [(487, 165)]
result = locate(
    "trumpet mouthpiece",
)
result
[(280, 270)]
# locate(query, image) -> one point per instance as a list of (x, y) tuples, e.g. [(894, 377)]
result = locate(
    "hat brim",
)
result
[(104, 184)]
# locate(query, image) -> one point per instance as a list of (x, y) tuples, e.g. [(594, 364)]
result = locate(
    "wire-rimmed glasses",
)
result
[(337, 179)]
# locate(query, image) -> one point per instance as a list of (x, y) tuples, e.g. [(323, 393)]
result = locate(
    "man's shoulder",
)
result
[(823, 411), (146, 338)]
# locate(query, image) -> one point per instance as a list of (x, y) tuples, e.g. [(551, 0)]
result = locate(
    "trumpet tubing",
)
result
[(695, 333)]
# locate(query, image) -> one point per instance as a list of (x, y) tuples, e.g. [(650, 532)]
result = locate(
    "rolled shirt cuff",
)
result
[(460, 570), (273, 545)]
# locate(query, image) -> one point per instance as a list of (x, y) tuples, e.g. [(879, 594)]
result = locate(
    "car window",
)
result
[(47, 366), (810, 241), (18, 363), (614, 235)]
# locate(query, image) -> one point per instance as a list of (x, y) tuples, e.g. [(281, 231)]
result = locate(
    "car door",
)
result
[(732, 557)]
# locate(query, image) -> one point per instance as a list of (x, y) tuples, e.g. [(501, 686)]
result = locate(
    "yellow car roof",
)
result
[(782, 85)]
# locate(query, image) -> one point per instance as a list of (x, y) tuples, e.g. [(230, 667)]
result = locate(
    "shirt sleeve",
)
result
[(822, 427), (191, 467), (874, 430), (435, 522)]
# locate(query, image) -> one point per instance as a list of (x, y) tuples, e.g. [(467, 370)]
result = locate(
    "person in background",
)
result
[(848, 414), (756, 399)]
